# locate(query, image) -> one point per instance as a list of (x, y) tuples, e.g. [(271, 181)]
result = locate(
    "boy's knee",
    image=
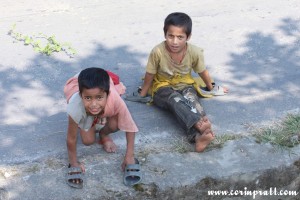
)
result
[(113, 129), (112, 125), (175, 96)]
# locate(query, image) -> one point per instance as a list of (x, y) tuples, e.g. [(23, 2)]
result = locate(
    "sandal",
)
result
[(75, 173), (133, 174), (137, 98), (216, 91)]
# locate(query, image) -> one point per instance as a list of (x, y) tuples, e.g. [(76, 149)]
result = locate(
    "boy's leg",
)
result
[(201, 133), (161, 97), (186, 114), (189, 113), (88, 137), (110, 127), (191, 96)]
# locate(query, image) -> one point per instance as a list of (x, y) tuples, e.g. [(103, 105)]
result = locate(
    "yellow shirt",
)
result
[(161, 62), (169, 73)]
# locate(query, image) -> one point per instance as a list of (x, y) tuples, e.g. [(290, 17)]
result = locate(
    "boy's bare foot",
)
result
[(108, 144), (205, 134), (203, 124), (202, 140)]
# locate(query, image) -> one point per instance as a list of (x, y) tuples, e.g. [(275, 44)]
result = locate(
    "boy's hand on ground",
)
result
[(78, 164), (217, 90), (136, 97), (225, 89), (127, 161)]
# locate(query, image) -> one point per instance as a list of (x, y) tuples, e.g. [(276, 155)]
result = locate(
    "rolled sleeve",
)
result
[(198, 58), (153, 61)]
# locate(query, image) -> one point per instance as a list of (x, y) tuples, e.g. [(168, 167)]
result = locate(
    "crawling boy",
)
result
[(93, 99)]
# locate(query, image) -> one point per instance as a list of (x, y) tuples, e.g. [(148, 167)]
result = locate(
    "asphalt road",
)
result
[(252, 47)]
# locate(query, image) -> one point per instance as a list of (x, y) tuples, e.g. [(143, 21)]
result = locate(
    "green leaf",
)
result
[(27, 40), (58, 48), (37, 49)]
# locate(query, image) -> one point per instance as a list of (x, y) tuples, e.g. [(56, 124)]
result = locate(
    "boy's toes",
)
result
[(108, 144), (203, 140), (110, 147)]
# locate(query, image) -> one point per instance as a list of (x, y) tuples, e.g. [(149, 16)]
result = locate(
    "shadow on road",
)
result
[(264, 78)]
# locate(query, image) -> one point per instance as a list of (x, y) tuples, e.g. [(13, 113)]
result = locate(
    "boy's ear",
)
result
[(189, 37), (165, 36)]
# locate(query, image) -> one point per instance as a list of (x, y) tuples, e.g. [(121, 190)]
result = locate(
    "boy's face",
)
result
[(176, 39), (94, 100)]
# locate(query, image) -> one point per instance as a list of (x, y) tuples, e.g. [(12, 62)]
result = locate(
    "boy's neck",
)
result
[(177, 56)]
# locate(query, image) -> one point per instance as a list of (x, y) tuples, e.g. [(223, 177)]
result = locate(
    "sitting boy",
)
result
[(93, 99), (168, 78)]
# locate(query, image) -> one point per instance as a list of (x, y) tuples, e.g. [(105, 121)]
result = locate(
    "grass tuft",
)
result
[(285, 134), (220, 140), (182, 145)]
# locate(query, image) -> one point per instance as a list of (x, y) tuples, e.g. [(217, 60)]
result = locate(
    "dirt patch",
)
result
[(282, 178)]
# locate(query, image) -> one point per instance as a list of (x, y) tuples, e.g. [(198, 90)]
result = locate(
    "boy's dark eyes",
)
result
[(173, 36), (97, 97)]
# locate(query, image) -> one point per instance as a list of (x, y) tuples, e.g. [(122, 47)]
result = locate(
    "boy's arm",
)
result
[(72, 141), (129, 156), (206, 78), (208, 82), (147, 84)]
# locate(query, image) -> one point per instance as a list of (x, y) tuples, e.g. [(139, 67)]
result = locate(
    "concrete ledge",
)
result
[(167, 175)]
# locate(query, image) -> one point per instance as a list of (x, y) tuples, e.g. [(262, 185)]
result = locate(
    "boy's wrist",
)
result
[(142, 93), (129, 155), (74, 164), (211, 86)]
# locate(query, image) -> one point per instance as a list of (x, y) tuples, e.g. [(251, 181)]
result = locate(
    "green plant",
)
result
[(50, 43), (181, 145), (284, 135)]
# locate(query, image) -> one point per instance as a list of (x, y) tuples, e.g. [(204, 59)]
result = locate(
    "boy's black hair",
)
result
[(93, 78), (179, 19)]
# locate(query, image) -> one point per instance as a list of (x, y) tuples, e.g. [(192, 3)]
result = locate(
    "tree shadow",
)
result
[(264, 79), (33, 118)]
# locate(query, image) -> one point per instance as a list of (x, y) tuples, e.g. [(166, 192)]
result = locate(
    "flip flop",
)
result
[(137, 98), (133, 174), (216, 91), (73, 174)]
